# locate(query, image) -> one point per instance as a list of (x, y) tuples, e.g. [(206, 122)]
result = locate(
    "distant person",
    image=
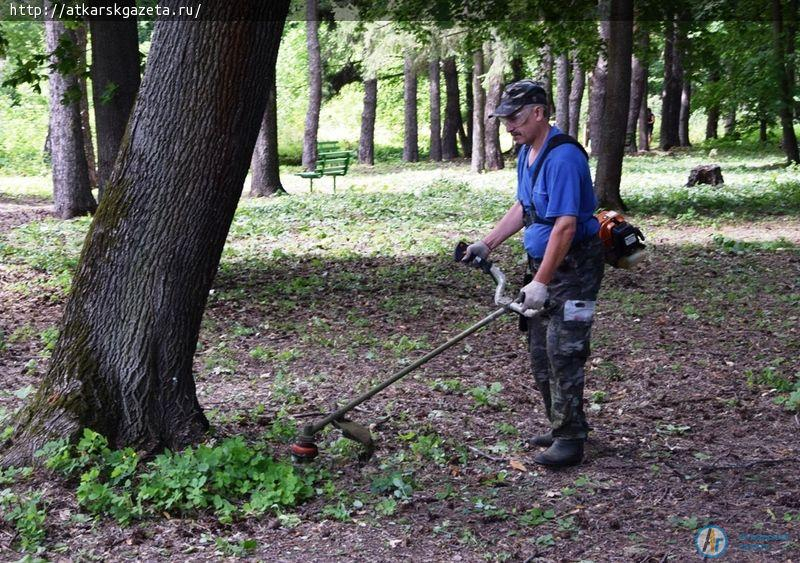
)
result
[(651, 122)]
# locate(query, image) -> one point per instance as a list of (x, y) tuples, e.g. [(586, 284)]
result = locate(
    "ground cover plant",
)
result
[(692, 390)]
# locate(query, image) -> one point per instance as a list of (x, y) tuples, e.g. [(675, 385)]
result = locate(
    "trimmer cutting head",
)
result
[(304, 450)]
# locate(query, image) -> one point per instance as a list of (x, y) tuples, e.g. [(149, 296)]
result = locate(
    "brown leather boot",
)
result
[(562, 453)]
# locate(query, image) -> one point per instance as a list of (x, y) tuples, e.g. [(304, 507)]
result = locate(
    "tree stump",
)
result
[(705, 174)]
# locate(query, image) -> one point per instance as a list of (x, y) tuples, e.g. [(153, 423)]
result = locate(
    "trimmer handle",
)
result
[(476, 261)]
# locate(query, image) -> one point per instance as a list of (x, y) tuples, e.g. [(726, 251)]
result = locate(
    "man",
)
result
[(651, 123), (565, 257)]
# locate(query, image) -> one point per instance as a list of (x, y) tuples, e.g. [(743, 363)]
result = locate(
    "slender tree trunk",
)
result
[(517, 68), (546, 73), (762, 130), (410, 140), (452, 110), (712, 112), (72, 194), (597, 94), (469, 98), (494, 156), (638, 87), (673, 80), (122, 365), (86, 127), (314, 85), (265, 163), (644, 138), (729, 123), (615, 109), (436, 121), (366, 143), (478, 104), (115, 81), (563, 116), (785, 88), (685, 113), (576, 96)]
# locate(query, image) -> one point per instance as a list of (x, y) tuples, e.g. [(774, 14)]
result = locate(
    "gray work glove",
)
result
[(533, 295), (477, 248)]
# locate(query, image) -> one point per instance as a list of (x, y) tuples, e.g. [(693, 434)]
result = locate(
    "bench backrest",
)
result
[(327, 146), (334, 162)]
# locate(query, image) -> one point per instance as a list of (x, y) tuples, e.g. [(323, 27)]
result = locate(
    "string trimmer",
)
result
[(305, 449)]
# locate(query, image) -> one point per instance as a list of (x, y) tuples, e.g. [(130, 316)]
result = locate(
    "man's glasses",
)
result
[(517, 118)]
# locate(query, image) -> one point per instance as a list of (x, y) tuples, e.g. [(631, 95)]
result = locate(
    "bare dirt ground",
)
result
[(680, 438)]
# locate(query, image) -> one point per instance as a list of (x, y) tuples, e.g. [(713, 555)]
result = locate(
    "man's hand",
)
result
[(534, 295), (477, 248)]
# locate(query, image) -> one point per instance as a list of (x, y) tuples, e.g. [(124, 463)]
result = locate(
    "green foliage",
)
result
[(396, 484), (240, 548), (231, 479), (28, 518), (537, 516), (487, 396)]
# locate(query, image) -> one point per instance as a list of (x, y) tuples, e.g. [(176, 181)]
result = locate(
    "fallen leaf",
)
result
[(518, 465)]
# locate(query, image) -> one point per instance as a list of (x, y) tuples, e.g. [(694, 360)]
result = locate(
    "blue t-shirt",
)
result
[(563, 187)]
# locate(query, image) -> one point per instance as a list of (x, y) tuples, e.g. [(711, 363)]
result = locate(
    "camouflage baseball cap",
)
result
[(519, 94)]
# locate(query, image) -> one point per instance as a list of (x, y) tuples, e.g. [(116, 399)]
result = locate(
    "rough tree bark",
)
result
[(563, 116), (410, 138), (452, 110), (122, 365), (576, 96), (436, 108), (265, 164), (615, 109), (673, 79), (712, 112), (685, 113), (86, 126), (314, 85), (545, 75), (366, 142), (72, 195), (780, 38), (469, 120), (729, 123), (478, 105), (597, 94), (115, 81), (494, 156), (638, 93)]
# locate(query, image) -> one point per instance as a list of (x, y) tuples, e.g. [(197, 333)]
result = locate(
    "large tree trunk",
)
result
[(266, 180), (597, 93), (783, 76), (72, 195), (712, 112), (673, 80), (729, 123), (685, 113), (546, 73), (122, 365), (115, 81), (478, 105), (563, 116), (366, 143), (576, 96), (86, 127), (410, 139), (436, 105), (494, 156), (615, 109), (314, 85), (638, 92), (452, 110)]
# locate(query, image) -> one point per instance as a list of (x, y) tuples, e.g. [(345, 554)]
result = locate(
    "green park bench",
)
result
[(327, 146), (333, 164)]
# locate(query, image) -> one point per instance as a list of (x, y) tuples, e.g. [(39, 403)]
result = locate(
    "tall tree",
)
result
[(597, 92), (115, 81), (478, 105), (265, 164), (563, 116), (545, 73), (615, 108), (72, 194), (452, 110), (435, 102), (576, 96), (712, 111), (314, 85), (366, 142), (410, 137), (685, 113), (638, 89), (673, 81), (729, 122), (494, 80), (86, 126), (783, 75), (469, 97), (122, 365)]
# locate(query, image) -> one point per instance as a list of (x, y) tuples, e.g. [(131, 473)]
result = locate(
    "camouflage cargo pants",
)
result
[(558, 341)]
